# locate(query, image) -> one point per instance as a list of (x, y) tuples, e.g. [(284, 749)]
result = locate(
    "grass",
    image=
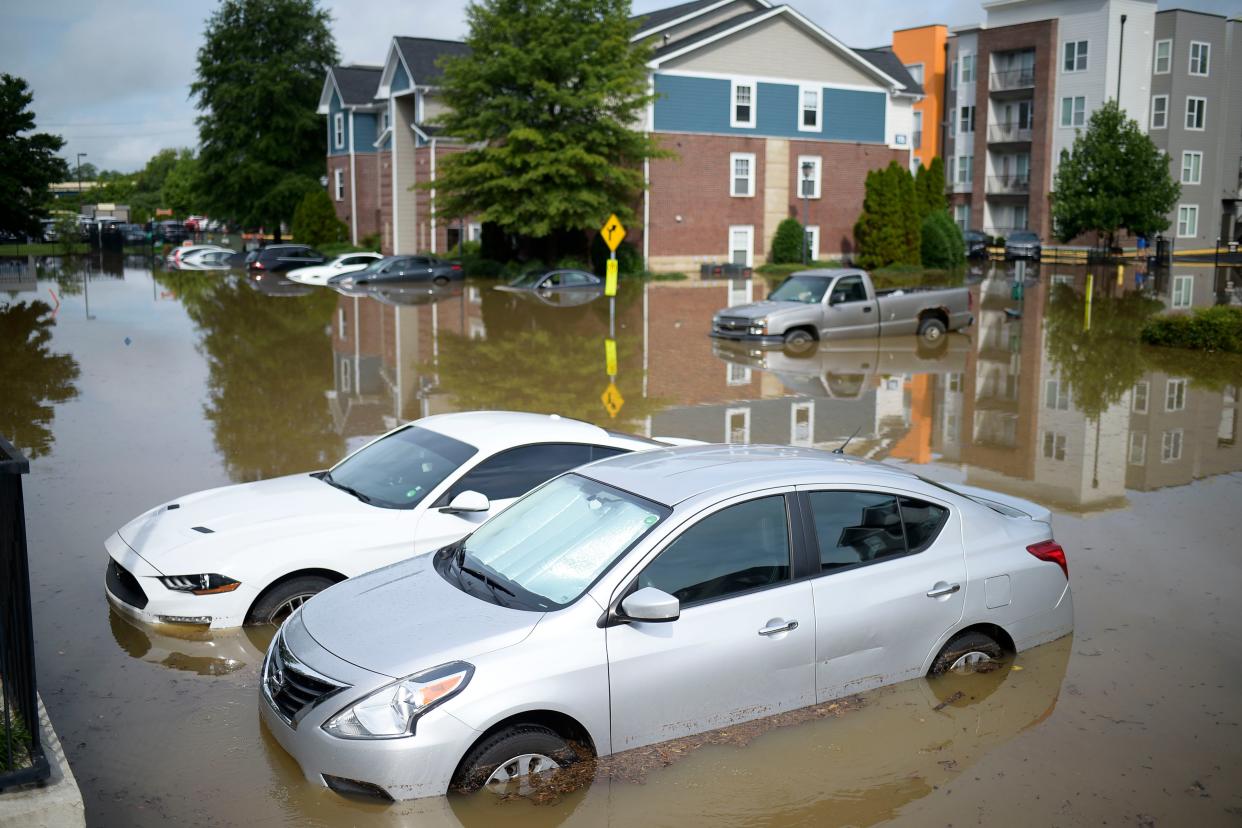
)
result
[(786, 269), (21, 743)]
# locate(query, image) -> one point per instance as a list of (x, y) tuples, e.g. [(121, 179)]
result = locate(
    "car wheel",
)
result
[(279, 601), (965, 653), (932, 330), (799, 340), (512, 761)]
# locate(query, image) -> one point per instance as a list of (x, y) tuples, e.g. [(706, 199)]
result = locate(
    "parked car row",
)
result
[(475, 598)]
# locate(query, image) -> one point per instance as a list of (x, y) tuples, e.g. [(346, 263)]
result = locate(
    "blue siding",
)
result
[(366, 126), (688, 104), (334, 106), (400, 80)]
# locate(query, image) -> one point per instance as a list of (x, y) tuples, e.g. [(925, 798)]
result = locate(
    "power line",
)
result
[(109, 123)]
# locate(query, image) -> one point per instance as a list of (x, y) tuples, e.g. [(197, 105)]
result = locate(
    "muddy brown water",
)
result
[(185, 381)]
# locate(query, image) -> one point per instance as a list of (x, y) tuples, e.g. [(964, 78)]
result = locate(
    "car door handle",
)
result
[(939, 591), (867, 309), (779, 628)]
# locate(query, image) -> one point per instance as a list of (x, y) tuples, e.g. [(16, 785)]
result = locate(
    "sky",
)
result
[(113, 78)]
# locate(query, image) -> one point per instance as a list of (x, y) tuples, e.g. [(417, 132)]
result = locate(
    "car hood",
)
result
[(170, 537), (405, 618), (755, 310)]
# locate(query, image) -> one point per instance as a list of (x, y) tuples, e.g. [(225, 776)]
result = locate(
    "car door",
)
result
[(849, 312), (744, 646), (892, 581), (502, 478)]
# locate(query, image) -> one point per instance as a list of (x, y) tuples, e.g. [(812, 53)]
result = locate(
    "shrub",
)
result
[(888, 230), (370, 242), (788, 243), (1206, 329), (942, 243), (315, 221)]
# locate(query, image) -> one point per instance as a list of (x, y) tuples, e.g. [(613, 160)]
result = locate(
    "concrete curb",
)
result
[(57, 803)]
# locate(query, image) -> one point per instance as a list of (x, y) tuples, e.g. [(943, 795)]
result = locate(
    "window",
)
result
[(1075, 56), (967, 120), (742, 178), (1159, 111), (1187, 221), (1073, 111), (916, 72), (812, 102), (965, 168), (737, 425), (968, 68), (743, 97), (338, 184), (742, 245), (848, 289), (737, 374), (341, 330), (1175, 395), (808, 187), (1171, 446), (1183, 290), (1196, 113), (1199, 53), (1192, 163), (1164, 55), (802, 424), (1139, 400), (346, 382), (1138, 448), (854, 528), (1054, 446), (515, 472), (738, 549), (338, 130), (961, 215), (1056, 397)]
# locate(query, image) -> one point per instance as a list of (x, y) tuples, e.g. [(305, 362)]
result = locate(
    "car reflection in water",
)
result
[(407, 294), (275, 284), (192, 649)]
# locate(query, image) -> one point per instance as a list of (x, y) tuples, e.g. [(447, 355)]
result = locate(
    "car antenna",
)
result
[(841, 448)]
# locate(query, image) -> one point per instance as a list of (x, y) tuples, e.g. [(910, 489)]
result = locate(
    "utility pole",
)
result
[(1121, 54)]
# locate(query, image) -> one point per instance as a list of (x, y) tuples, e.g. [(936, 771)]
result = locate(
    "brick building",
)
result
[(354, 164)]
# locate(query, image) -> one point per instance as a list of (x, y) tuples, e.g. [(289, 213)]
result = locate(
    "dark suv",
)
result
[(278, 257), (402, 269)]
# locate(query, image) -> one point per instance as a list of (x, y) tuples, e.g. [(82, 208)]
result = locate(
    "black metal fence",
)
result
[(21, 750)]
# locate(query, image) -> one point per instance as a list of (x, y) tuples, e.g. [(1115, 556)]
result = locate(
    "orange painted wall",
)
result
[(925, 45)]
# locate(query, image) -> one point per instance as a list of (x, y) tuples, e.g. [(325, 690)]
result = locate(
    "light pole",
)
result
[(81, 155), (807, 169)]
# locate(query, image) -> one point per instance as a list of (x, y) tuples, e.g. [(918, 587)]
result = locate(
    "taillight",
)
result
[(1051, 552), (456, 268), (257, 265)]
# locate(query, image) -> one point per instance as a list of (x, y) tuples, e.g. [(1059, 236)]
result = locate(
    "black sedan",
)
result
[(976, 244), (278, 257), (401, 269)]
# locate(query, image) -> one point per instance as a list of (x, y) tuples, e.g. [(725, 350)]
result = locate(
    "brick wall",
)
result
[(383, 178)]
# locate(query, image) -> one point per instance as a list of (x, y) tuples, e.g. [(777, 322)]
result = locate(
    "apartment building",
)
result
[(924, 52), (353, 122)]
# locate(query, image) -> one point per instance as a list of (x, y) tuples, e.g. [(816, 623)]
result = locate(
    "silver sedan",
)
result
[(650, 596)]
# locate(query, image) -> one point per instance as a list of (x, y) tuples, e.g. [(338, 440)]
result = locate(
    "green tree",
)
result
[(315, 221), (942, 244), (181, 186), (889, 229), (788, 243), (929, 188), (35, 379), (260, 72), (1112, 179), (546, 102), (28, 162)]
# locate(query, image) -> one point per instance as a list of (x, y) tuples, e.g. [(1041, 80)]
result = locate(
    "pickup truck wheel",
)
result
[(932, 329), (799, 340)]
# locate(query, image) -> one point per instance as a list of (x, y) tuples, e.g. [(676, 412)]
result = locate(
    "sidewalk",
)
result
[(56, 804)]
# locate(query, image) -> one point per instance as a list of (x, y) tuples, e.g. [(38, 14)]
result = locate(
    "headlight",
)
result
[(759, 326), (391, 711), (209, 584)]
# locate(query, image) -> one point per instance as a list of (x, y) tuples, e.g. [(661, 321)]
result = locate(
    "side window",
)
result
[(849, 289), (600, 452), (734, 550), (515, 472), (922, 521), (856, 527)]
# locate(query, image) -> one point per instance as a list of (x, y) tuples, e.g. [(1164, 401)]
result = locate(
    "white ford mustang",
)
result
[(254, 552), (320, 274)]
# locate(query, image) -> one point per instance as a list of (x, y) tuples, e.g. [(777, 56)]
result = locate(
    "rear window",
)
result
[(857, 528)]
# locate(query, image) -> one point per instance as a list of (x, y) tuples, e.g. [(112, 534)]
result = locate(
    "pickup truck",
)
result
[(814, 305)]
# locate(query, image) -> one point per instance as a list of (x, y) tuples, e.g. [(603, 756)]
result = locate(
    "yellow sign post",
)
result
[(613, 232), (612, 399), (610, 278), (610, 357)]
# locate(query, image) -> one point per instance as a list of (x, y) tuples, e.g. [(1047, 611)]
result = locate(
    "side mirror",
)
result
[(837, 298), (651, 604), (468, 501)]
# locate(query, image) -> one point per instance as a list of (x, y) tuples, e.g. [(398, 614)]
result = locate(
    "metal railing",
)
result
[(21, 750), (1023, 78), (998, 133), (1005, 184)]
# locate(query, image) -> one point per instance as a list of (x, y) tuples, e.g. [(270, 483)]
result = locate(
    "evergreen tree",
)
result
[(1112, 179), (911, 218), (889, 229), (788, 243), (28, 163), (942, 244), (260, 73), (930, 189), (315, 221)]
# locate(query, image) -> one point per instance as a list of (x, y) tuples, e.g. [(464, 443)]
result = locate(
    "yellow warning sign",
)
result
[(610, 279), (613, 232), (612, 399)]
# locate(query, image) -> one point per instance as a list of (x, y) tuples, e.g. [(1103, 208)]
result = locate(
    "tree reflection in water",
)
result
[(34, 379)]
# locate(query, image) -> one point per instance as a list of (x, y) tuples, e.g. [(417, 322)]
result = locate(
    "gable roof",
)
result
[(708, 33), (887, 62), (421, 55), (357, 83)]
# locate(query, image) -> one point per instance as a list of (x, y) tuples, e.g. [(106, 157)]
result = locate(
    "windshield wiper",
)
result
[(491, 583), (327, 478)]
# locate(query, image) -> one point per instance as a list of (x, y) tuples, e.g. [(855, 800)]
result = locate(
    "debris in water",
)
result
[(956, 697)]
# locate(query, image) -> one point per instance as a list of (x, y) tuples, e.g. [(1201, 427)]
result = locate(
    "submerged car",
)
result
[(400, 269), (976, 244), (320, 274), (1023, 244), (253, 552), (652, 596)]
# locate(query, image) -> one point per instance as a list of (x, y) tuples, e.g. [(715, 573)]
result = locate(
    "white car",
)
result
[(178, 254), (254, 552), (207, 258), (320, 274)]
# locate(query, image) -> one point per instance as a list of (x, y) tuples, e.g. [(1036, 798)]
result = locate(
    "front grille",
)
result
[(291, 686), (124, 585), (732, 324)]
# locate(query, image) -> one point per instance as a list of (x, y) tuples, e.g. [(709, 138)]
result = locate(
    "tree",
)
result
[(546, 101), (788, 243), (315, 221), (28, 163), (260, 72), (942, 245), (1112, 179), (34, 378), (888, 230), (929, 188), (181, 187)]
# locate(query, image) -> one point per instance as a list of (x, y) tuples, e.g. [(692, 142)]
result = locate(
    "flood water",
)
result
[(127, 388)]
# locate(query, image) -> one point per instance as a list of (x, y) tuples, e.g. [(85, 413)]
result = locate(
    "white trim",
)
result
[(338, 184), (647, 199), (353, 186), (1198, 179), (394, 194), (325, 97), (753, 85), (1190, 60), (338, 130), (654, 63), (1061, 112), (1155, 58), (1186, 114), (695, 73), (818, 92), (749, 157), (812, 230), (728, 432), (1191, 209), (385, 83), (1182, 293), (1086, 53), (1164, 125), (749, 229), (809, 408), (816, 177), (433, 195), (645, 33), (974, 66)]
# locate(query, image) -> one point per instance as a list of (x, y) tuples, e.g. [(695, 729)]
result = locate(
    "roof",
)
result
[(422, 54), (357, 83), (657, 18), (711, 31), (495, 430), (887, 62), (670, 476)]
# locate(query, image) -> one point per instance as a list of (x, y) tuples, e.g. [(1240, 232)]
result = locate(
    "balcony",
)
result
[(1014, 184), (1012, 79), (1014, 133)]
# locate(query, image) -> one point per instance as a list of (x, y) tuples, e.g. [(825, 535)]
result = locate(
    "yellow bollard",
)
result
[(1086, 321)]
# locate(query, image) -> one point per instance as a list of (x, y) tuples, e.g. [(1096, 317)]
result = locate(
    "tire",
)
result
[(932, 329), (440, 281), (505, 746), (965, 644), (799, 340), (279, 600)]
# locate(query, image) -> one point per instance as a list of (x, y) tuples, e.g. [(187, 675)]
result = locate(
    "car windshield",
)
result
[(547, 549), (398, 471), (806, 289), (527, 279)]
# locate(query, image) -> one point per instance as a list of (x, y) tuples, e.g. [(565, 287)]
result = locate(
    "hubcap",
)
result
[(967, 662), (932, 333), (286, 609), (516, 776)]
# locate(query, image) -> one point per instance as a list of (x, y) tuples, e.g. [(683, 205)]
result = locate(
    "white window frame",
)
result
[(1137, 455), (1074, 113), (730, 413), (809, 408), (737, 374), (1059, 441), (818, 91), (749, 229), (754, 103), (1134, 397), (342, 330), (1196, 159), (1175, 394), (338, 183), (338, 130), (1164, 120), (1192, 226), (969, 170), (1170, 439), (968, 59), (816, 188), (812, 230), (1168, 58), (347, 376), (1079, 56), (966, 118), (1205, 58), (953, 76), (1203, 124), (1182, 294), (922, 70), (749, 157)]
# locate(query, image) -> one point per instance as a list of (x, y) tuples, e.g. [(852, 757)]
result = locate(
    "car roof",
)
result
[(672, 475), (495, 430), (828, 272)]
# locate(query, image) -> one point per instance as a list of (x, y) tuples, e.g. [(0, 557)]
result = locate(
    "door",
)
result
[(848, 313), (744, 646), (892, 582)]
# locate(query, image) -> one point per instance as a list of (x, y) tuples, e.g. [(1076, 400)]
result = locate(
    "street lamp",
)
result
[(807, 169)]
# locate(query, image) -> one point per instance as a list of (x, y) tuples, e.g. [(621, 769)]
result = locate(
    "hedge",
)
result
[(1205, 329)]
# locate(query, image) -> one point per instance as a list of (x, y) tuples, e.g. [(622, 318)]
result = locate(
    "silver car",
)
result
[(650, 596)]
